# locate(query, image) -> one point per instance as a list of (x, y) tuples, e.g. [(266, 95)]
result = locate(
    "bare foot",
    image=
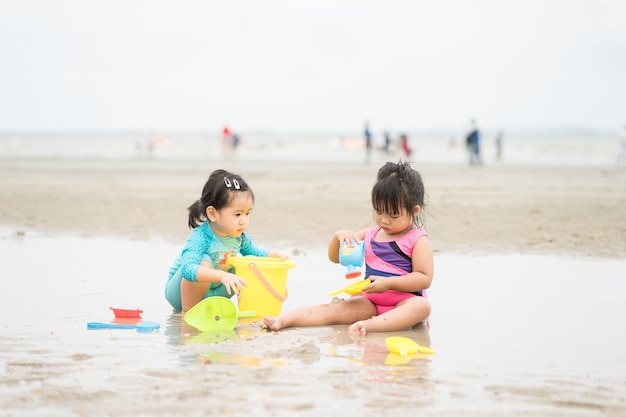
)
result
[(272, 323), (358, 328)]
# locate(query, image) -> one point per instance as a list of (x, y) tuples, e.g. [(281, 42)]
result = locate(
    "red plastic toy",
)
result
[(126, 314)]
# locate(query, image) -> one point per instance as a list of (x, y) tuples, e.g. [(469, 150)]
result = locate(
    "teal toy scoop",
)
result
[(144, 326), (215, 313)]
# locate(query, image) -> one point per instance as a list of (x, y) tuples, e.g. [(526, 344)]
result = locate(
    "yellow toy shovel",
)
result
[(395, 359), (405, 346), (354, 288)]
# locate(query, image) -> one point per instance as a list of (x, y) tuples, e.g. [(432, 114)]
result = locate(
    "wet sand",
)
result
[(527, 308)]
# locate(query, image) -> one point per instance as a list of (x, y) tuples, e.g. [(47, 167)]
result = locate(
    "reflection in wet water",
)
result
[(225, 346), (521, 320)]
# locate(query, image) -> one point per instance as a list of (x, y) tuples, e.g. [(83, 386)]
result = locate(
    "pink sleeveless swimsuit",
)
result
[(390, 258)]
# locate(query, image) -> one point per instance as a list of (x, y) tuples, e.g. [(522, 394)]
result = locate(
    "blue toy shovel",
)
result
[(144, 326)]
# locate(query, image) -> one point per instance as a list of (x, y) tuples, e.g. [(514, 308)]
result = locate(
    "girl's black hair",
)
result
[(218, 192), (398, 187)]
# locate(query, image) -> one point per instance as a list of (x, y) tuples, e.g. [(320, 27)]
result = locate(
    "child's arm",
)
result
[(232, 282), (248, 247), (192, 253)]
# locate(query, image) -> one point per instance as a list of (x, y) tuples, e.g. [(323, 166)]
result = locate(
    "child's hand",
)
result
[(281, 255), (347, 236), (379, 284), (233, 283)]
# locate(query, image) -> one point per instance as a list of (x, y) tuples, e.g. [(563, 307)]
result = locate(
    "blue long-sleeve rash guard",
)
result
[(204, 242)]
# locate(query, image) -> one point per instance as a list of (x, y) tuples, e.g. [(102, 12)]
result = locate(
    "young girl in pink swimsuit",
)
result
[(398, 260)]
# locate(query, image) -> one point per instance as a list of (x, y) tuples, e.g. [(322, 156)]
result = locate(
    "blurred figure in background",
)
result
[(472, 141), (621, 156), (386, 142), (234, 142), (144, 145), (147, 142), (404, 146), (499, 139), (230, 142), (225, 139), (367, 136)]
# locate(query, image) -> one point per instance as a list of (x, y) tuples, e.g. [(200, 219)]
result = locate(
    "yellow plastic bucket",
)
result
[(267, 283)]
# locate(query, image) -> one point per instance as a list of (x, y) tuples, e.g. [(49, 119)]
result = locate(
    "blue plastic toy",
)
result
[(352, 257), (144, 326)]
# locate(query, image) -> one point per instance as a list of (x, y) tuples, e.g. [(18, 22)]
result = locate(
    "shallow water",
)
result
[(516, 332)]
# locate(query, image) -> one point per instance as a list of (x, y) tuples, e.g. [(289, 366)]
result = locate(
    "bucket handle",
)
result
[(266, 284)]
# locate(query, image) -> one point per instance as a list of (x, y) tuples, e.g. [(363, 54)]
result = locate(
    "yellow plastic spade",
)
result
[(354, 288), (394, 359), (405, 346)]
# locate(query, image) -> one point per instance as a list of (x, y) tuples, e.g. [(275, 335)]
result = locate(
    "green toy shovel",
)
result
[(215, 313)]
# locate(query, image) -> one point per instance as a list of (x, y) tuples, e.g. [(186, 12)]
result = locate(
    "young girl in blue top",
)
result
[(219, 220)]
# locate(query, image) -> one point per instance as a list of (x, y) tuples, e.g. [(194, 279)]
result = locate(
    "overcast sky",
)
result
[(311, 66)]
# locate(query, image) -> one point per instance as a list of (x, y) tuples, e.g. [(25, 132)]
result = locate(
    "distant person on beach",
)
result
[(234, 142), (386, 142), (225, 139), (226, 134), (404, 146), (145, 145), (219, 220), (230, 142), (367, 136), (398, 260), (499, 139), (472, 142), (621, 156)]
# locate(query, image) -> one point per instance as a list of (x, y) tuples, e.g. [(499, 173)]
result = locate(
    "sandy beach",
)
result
[(501, 209), (527, 309)]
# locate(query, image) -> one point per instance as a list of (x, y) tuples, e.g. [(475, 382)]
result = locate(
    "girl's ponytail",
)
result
[(196, 215)]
